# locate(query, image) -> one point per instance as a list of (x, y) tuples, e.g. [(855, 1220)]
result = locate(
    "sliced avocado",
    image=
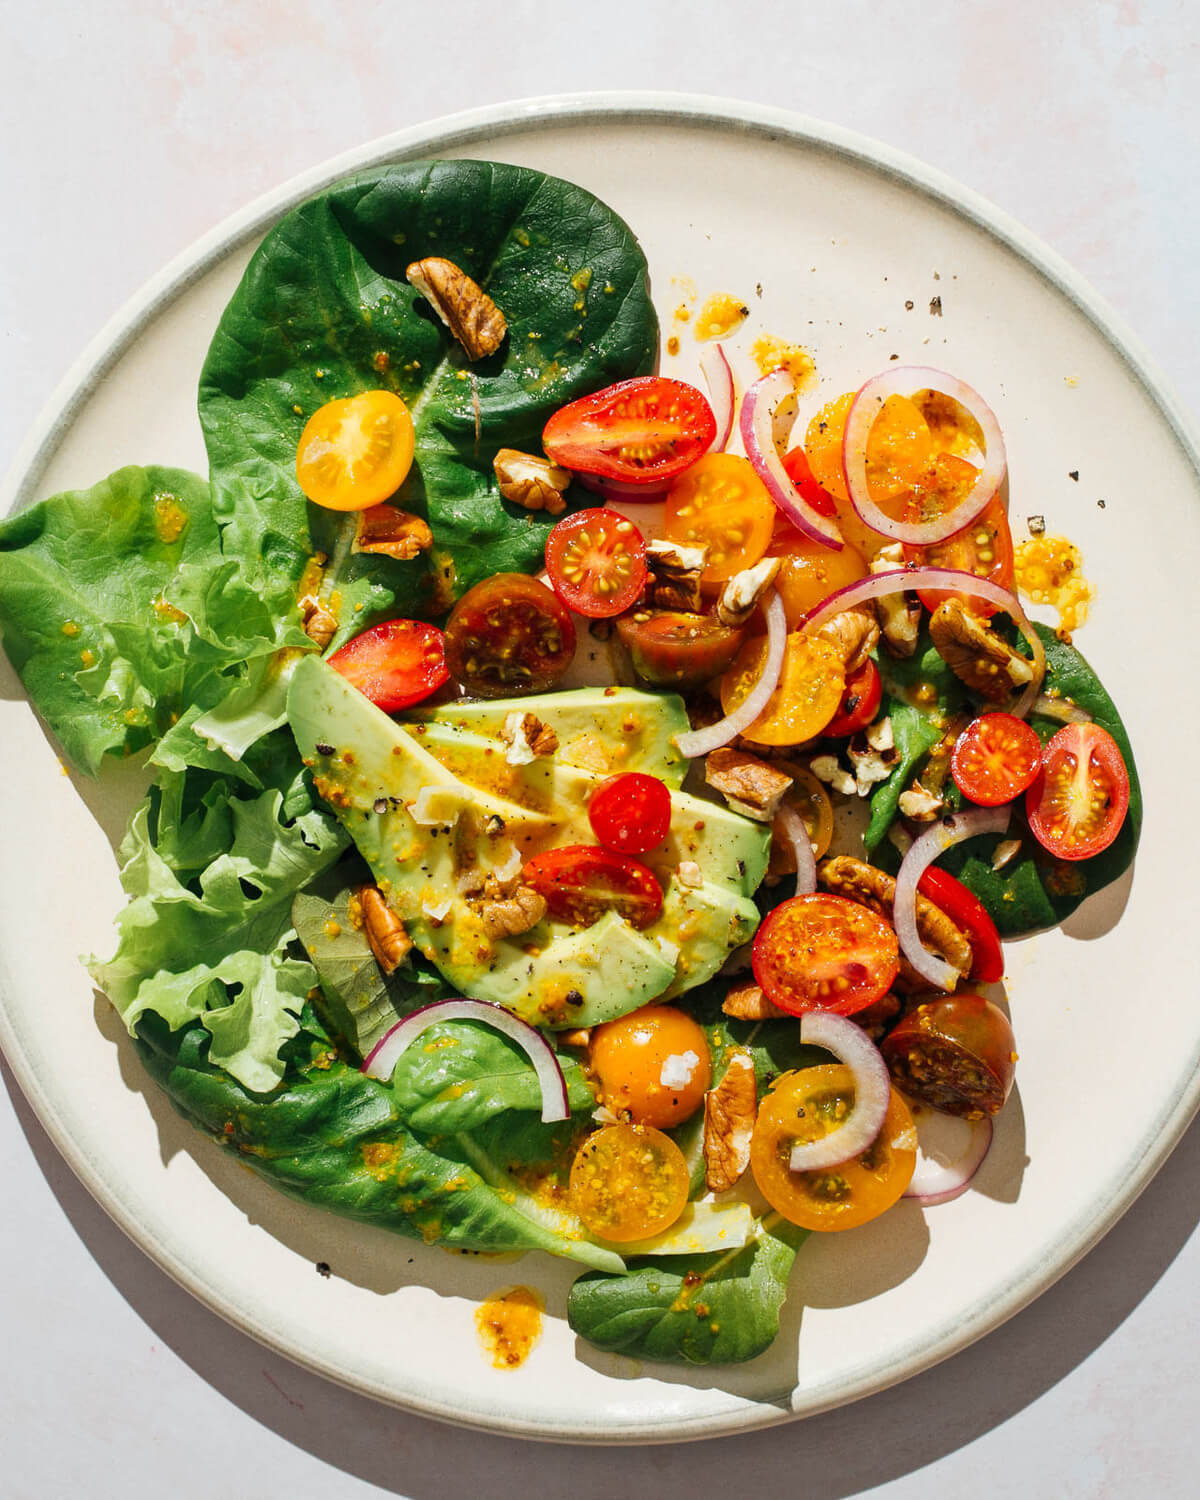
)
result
[(705, 924), (601, 729)]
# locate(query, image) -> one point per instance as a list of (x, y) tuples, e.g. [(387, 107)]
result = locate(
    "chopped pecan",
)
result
[(318, 621), (749, 785), (673, 576), (504, 914), (580, 1037), (390, 943), (745, 589), (975, 653), (688, 873), (746, 1002), (919, 805), (392, 532), (852, 634), (527, 738), (462, 305), (858, 881), (826, 768), (899, 614), (1005, 852), (872, 762), (729, 1112), (532, 482)]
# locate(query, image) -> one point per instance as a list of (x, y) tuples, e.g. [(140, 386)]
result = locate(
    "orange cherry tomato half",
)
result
[(395, 664), (580, 882), (653, 1063), (810, 572), (355, 452), (860, 702), (803, 1106), (995, 758), (956, 1052), (799, 471), (628, 1182), (1077, 805), (810, 688), (823, 952), (671, 648), (965, 910), (510, 634), (596, 560), (721, 504), (637, 431), (630, 813)]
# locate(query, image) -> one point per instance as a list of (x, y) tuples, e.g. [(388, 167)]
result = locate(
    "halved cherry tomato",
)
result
[(860, 702), (596, 560), (1078, 803), (509, 634), (995, 758), (799, 471), (984, 548), (810, 688), (965, 910), (801, 1107), (355, 452), (823, 445), (653, 1063), (721, 504), (630, 813), (639, 430), (822, 952), (580, 882), (395, 664), (628, 1182), (810, 572), (956, 1052), (670, 648)]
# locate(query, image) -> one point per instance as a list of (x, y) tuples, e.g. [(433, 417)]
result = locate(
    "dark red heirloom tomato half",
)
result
[(956, 1052), (395, 664), (509, 634), (670, 648)]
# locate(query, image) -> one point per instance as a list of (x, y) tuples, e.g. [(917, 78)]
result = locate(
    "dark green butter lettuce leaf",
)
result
[(324, 311)]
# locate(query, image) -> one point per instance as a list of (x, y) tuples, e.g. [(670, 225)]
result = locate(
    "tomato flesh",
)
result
[(799, 471), (630, 813), (653, 1064), (580, 882), (1077, 805), (823, 952), (806, 1105), (956, 1052), (966, 911), (810, 688), (355, 452), (995, 759), (628, 1182), (860, 702), (984, 548), (596, 560), (395, 664), (510, 634), (636, 431), (721, 504), (671, 648)]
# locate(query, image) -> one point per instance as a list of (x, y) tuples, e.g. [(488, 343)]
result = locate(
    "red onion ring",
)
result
[(695, 742), (381, 1061), (758, 438), (1061, 709), (617, 489), (932, 843), (872, 1091), (899, 580), (903, 380), (796, 832), (714, 366), (950, 1150)]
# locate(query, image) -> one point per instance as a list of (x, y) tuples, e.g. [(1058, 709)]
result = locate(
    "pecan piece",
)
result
[(673, 576), (853, 635), (504, 916), (746, 1002), (527, 738), (745, 589), (729, 1112), (389, 941), (462, 304), (899, 614), (749, 785), (975, 654), (532, 482), (393, 532), (317, 621)]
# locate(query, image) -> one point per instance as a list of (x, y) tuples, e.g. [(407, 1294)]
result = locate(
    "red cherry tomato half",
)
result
[(581, 882), (821, 952), (1077, 805), (637, 431), (395, 664), (860, 702), (596, 560), (995, 758), (799, 471), (510, 634), (630, 813), (965, 910)]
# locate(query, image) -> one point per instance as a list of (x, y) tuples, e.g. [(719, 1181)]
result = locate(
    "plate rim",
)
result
[(453, 131)]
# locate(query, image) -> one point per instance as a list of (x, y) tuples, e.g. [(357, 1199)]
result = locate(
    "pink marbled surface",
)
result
[(131, 128)]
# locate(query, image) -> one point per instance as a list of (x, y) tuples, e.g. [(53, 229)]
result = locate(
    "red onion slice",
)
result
[(617, 489), (898, 580), (696, 742), (714, 366), (796, 832), (933, 843), (903, 381), (1062, 709), (950, 1150), (758, 438), (382, 1058), (872, 1090)]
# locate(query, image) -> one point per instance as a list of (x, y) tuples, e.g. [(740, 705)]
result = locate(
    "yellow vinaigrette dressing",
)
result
[(510, 1324), (1049, 570)]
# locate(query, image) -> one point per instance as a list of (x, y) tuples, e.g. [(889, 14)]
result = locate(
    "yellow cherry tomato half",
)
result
[(810, 572), (355, 452), (720, 503), (807, 698), (653, 1063), (804, 1106), (628, 1182)]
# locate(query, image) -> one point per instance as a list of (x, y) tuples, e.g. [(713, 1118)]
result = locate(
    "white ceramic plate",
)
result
[(841, 235)]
